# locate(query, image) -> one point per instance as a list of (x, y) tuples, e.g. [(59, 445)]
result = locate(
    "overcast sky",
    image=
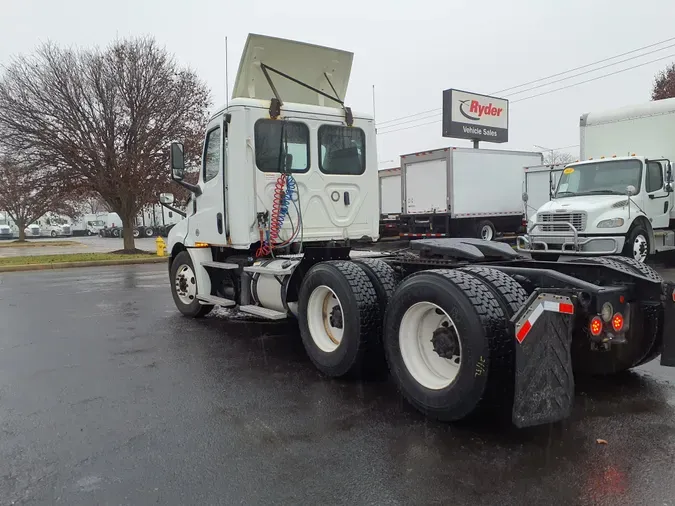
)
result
[(410, 51)]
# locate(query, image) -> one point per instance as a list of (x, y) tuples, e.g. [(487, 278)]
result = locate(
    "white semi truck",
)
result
[(460, 192), (619, 199), (289, 189)]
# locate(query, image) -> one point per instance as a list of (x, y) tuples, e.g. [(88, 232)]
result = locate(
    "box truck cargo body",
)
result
[(453, 191), (619, 199), (390, 201)]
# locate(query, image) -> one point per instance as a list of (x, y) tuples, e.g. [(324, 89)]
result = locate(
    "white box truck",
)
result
[(619, 199), (462, 191), (390, 200)]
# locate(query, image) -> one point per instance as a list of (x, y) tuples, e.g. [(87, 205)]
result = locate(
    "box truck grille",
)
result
[(578, 220), (34, 231), (66, 229)]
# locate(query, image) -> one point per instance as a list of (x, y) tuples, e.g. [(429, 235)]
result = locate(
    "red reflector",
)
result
[(523, 331), (673, 295), (617, 322), (622, 299), (595, 326), (567, 308)]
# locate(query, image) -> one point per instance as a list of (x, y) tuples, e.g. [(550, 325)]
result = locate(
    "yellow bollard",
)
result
[(161, 247)]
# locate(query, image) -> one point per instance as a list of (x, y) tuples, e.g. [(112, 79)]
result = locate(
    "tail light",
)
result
[(596, 326), (617, 322)]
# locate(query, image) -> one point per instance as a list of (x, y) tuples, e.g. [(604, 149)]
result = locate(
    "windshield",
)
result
[(600, 178), (95, 223)]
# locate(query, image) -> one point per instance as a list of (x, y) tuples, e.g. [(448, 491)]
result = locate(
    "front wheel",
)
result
[(184, 287), (637, 244), (149, 232), (53, 234)]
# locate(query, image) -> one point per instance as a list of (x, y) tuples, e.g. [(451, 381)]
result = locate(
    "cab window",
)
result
[(212, 154), (274, 138), (654, 177), (342, 150)]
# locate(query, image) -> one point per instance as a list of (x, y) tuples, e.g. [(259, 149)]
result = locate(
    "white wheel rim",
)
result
[(186, 284), (640, 248), (486, 232), (325, 318), (136, 233), (415, 335)]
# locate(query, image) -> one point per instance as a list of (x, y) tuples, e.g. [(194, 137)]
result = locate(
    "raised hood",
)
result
[(304, 62)]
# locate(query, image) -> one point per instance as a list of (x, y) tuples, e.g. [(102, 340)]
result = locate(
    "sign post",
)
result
[(476, 117)]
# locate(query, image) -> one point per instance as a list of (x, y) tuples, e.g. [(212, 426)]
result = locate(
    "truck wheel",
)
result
[(89, 233), (115, 233), (508, 291), (149, 232), (339, 318), (184, 287), (53, 234), (444, 332), (486, 230), (383, 277), (637, 244), (137, 233)]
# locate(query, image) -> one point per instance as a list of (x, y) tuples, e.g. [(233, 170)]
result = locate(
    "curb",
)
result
[(68, 265)]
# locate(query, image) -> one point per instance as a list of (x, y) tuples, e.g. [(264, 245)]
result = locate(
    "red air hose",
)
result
[(277, 208)]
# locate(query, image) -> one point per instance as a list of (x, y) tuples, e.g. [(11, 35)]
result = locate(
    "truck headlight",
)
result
[(611, 223)]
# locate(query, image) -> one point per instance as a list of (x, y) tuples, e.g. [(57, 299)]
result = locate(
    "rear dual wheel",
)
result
[(447, 343)]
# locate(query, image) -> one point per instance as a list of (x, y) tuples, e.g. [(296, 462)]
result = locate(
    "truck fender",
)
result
[(199, 256)]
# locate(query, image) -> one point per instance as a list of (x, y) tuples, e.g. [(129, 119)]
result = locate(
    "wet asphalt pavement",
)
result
[(109, 396)]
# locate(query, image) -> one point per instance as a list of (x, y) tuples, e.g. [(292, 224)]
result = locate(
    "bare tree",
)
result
[(27, 193), (95, 205), (664, 84), (103, 119), (557, 157)]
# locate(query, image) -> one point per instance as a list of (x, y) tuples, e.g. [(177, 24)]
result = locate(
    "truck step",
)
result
[(220, 265), (263, 312), (216, 301), (274, 271)]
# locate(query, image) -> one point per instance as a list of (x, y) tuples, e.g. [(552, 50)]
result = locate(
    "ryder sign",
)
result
[(472, 116)]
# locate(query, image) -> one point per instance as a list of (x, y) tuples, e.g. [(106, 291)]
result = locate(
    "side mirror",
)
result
[(669, 187), (177, 161), (525, 197), (630, 190), (166, 198)]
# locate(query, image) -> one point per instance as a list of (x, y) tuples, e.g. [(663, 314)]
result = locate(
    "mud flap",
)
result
[(668, 348), (544, 391)]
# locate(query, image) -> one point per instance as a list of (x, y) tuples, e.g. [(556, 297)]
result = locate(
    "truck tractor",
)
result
[(619, 200), (282, 224)]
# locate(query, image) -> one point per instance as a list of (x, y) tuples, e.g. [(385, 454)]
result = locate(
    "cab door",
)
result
[(208, 223), (657, 201)]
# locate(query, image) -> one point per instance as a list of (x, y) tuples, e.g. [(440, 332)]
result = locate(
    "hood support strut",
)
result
[(275, 106)]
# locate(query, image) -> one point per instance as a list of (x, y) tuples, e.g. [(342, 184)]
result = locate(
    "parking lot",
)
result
[(109, 396), (85, 244)]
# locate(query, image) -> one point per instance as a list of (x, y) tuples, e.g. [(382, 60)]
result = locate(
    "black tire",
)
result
[(383, 277), (360, 344), (53, 234), (636, 231), (149, 232), (545, 257), (644, 340), (194, 309), (510, 294), (481, 326), (116, 233), (137, 232), (489, 230), (90, 233)]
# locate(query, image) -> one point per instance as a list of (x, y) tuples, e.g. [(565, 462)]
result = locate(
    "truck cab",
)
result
[(618, 205), (286, 117), (619, 199)]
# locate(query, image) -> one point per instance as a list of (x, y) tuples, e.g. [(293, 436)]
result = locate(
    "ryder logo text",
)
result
[(476, 110)]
